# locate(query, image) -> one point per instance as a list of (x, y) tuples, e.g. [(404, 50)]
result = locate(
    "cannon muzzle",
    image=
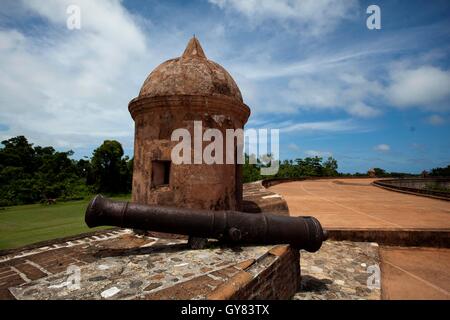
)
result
[(230, 226)]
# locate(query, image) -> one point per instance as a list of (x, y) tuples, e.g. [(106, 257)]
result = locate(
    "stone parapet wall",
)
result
[(270, 182), (258, 199), (416, 186), (394, 237)]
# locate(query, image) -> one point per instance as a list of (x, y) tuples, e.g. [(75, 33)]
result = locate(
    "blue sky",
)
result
[(369, 98)]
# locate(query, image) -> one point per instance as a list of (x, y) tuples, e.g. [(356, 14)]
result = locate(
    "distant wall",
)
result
[(270, 182), (417, 186)]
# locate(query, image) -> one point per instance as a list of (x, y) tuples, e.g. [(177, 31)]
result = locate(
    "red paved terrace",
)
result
[(357, 205)]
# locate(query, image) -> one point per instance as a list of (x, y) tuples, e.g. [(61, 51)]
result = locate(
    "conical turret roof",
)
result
[(193, 50), (190, 74)]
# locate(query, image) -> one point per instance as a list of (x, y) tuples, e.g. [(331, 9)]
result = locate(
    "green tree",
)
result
[(380, 172), (309, 167), (29, 174), (17, 152), (250, 172), (440, 172), (330, 167), (109, 168)]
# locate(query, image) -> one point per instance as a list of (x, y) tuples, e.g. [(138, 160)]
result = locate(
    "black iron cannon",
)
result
[(230, 226)]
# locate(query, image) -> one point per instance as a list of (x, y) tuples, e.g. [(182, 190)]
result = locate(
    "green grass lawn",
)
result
[(22, 225)]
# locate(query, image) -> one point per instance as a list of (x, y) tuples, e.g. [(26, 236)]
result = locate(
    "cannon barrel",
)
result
[(231, 226)]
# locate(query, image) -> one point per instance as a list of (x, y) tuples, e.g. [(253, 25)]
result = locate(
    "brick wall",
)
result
[(279, 280)]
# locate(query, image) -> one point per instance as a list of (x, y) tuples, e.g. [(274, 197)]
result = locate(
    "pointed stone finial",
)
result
[(194, 49)]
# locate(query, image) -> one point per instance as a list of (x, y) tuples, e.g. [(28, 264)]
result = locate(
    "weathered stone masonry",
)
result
[(177, 93)]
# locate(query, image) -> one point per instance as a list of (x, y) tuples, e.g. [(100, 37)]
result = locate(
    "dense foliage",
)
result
[(440, 172), (307, 167), (381, 173), (30, 174), (111, 172), (318, 167)]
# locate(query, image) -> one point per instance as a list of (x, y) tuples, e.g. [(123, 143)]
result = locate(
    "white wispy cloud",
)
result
[(71, 88), (293, 147), (313, 17), (360, 79), (426, 87), (382, 148), (320, 126), (435, 120), (316, 153), (345, 91)]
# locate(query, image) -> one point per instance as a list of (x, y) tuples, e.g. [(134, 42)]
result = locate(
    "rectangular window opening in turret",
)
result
[(160, 173)]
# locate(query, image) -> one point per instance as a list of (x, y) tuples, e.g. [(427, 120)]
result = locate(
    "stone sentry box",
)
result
[(177, 93)]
